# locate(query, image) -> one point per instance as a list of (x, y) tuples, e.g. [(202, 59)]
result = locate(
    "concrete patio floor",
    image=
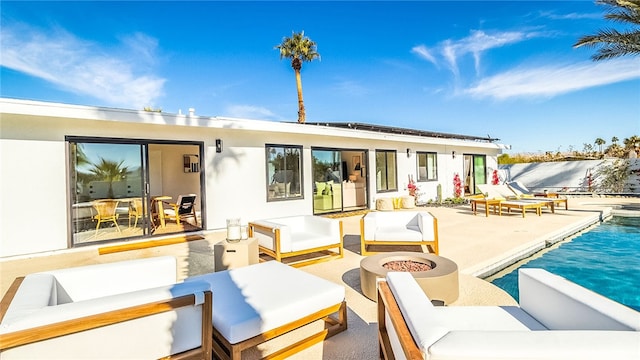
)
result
[(479, 245)]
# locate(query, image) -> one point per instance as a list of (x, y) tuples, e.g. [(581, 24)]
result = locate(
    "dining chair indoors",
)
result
[(135, 211), (106, 212)]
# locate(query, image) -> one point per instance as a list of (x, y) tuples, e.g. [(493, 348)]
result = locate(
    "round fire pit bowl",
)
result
[(439, 283)]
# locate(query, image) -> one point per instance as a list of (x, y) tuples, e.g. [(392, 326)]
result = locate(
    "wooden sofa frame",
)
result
[(432, 244), (328, 253), (224, 350), (387, 303), (50, 331)]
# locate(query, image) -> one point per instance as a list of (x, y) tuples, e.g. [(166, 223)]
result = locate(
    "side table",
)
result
[(230, 255)]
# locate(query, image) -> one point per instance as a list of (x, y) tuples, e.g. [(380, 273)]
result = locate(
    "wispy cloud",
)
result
[(250, 112), (120, 76), (475, 44), (548, 81), (424, 53), (570, 16), (350, 88)]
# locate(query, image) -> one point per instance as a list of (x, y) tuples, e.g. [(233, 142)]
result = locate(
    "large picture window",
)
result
[(427, 166), (284, 172), (386, 175)]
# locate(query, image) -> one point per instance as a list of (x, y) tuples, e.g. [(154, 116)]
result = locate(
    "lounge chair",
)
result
[(257, 303), (523, 192), (182, 209), (509, 199)]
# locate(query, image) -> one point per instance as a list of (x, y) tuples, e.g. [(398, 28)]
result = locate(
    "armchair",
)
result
[(293, 236), (398, 228)]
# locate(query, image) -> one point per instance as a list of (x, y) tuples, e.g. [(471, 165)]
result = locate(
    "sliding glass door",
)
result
[(475, 170), (339, 180), (129, 189), (327, 181)]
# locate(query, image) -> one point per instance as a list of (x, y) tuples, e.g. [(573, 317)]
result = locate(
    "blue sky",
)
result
[(505, 69)]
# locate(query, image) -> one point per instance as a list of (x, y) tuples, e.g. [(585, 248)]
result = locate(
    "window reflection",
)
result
[(283, 172)]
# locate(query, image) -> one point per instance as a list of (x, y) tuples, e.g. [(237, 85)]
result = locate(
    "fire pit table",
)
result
[(439, 283)]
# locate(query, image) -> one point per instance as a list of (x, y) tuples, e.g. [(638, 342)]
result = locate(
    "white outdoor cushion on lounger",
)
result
[(253, 300)]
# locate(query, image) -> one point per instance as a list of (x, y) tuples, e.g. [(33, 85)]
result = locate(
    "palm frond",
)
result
[(614, 43)]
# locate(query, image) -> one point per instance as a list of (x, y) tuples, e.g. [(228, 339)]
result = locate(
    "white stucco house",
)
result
[(76, 175)]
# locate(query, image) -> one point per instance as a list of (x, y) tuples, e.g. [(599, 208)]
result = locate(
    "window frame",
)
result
[(269, 178), (427, 172), (394, 153)]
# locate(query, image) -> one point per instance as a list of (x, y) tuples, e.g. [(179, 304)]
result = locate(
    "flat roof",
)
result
[(400, 131)]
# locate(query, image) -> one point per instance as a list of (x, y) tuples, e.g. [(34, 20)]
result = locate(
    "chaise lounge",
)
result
[(556, 319)]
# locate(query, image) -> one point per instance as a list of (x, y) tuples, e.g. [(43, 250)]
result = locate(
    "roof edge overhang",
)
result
[(351, 130)]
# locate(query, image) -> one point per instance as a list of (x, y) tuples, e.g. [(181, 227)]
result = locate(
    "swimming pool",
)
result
[(605, 259)]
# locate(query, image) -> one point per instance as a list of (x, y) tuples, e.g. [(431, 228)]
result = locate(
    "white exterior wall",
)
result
[(34, 204), (34, 212)]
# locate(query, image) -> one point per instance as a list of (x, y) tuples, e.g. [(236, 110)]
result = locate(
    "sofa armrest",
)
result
[(417, 310), (560, 304), (558, 345), (428, 226), (322, 225), (368, 226), (271, 235)]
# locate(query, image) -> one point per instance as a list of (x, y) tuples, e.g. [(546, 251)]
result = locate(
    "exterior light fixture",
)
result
[(408, 152), (218, 145), (453, 154)]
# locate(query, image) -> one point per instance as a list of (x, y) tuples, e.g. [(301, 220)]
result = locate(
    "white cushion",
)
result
[(258, 298), (94, 281), (563, 305), (399, 226), (548, 345)]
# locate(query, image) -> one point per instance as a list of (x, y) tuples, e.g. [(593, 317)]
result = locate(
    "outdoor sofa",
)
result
[(393, 228), (128, 309), (556, 319)]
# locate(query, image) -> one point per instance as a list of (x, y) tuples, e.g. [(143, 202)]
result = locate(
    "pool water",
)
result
[(605, 259)]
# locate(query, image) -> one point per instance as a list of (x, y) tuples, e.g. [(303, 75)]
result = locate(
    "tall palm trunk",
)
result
[(296, 64)]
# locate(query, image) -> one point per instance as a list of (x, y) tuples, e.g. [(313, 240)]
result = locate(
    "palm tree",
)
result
[(298, 48), (600, 142), (614, 139), (614, 43), (109, 170)]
